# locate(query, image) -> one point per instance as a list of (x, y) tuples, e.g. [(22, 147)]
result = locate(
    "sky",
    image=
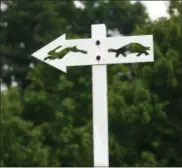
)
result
[(155, 9)]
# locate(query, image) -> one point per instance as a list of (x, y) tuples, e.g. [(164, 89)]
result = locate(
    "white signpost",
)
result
[(98, 51)]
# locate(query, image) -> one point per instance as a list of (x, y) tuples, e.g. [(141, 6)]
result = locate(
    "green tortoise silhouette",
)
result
[(131, 48), (58, 55)]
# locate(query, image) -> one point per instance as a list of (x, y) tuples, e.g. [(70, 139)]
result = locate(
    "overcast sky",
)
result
[(155, 9)]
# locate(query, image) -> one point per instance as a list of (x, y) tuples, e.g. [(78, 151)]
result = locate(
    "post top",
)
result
[(98, 30)]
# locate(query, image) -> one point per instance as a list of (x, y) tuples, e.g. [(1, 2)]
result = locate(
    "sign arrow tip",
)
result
[(63, 68), (55, 42)]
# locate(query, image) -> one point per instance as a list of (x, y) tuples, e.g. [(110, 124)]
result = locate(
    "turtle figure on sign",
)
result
[(131, 48)]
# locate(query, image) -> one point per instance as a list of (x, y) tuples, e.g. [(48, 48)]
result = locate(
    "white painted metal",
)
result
[(80, 59), (117, 42), (42, 53), (100, 105), (71, 59)]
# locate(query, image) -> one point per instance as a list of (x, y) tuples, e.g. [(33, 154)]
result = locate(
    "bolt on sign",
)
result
[(98, 52)]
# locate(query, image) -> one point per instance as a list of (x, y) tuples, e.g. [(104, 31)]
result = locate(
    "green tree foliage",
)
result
[(47, 119), (165, 80), (21, 140)]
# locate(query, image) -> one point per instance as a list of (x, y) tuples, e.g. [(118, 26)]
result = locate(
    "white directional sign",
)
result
[(98, 51), (70, 58), (87, 50)]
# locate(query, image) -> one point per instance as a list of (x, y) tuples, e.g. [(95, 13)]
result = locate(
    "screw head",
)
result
[(98, 57), (97, 42)]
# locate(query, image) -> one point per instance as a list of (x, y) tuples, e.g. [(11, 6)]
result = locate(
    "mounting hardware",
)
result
[(98, 58), (97, 42)]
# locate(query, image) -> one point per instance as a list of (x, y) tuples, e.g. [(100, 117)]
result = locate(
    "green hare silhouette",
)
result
[(58, 55)]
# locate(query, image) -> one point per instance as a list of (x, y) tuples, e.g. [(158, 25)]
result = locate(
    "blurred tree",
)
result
[(52, 121), (28, 26), (21, 141), (164, 78)]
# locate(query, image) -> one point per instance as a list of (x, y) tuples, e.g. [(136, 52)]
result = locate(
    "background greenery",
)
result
[(47, 119)]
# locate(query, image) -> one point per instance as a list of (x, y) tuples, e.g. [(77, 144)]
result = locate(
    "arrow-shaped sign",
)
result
[(61, 53)]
